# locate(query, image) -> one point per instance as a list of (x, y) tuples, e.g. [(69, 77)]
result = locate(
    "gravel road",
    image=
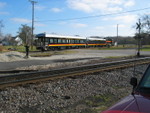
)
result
[(15, 60)]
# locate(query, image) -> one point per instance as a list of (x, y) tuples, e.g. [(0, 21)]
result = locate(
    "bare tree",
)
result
[(1, 26), (25, 33), (145, 30), (146, 24)]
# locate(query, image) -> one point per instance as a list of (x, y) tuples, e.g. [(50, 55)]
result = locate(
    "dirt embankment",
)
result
[(11, 56)]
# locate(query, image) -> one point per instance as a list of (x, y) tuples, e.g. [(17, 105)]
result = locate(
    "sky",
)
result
[(74, 17)]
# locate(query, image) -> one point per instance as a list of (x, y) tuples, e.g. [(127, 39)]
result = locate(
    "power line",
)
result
[(86, 17)]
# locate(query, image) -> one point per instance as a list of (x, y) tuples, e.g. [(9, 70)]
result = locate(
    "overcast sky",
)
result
[(74, 17)]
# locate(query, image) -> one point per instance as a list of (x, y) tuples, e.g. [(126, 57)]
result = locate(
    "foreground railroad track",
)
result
[(32, 77)]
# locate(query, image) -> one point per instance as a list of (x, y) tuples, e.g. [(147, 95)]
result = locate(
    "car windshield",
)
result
[(145, 82)]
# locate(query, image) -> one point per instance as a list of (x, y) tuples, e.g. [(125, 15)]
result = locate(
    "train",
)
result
[(44, 41)]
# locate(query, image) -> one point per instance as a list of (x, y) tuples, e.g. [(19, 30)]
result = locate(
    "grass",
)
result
[(93, 104), (3, 49), (145, 49), (100, 102), (115, 47)]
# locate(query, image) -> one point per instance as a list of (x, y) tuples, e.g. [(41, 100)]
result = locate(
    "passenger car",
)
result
[(44, 41), (138, 101)]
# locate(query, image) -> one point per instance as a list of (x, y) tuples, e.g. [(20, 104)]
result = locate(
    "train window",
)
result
[(96, 42), (59, 41), (46, 39), (92, 42), (55, 41), (72, 41), (68, 41), (81, 41), (63, 41), (51, 41), (76, 41)]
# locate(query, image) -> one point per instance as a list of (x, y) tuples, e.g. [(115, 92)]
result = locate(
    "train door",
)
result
[(42, 41)]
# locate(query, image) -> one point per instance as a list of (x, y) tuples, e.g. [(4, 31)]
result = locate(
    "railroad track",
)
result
[(32, 77)]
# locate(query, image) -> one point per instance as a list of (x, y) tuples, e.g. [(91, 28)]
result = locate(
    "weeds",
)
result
[(1, 48)]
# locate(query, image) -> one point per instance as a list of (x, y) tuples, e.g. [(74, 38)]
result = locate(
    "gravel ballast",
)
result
[(64, 95)]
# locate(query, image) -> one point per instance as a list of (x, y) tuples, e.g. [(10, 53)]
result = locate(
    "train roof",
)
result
[(102, 39), (59, 36)]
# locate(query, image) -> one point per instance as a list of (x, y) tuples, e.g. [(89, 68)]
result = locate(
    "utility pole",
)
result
[(33, 3), (117, 35), (1, 25), (139, 36)]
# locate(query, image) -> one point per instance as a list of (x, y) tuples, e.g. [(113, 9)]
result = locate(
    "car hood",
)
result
[(131, 104)]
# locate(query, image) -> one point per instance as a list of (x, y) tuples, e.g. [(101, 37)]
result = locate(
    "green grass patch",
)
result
[(145, 49), (100, 102)]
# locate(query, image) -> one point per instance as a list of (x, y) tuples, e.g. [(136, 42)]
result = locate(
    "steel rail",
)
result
[(31, 77)]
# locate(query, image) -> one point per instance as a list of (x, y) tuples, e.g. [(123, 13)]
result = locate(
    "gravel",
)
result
[(11, 56), (63, 95)]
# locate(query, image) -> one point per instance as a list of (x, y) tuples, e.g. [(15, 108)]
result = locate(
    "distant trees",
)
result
[(9, 40), (146, 24), (25, 33), (124, 40), (145, 30), (1, 26)]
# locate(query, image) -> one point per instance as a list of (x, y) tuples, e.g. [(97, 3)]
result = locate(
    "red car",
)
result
[(138, 101)]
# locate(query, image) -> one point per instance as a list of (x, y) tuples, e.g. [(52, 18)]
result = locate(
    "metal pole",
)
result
[(117, 35), (32, 2), (1, 25), (139, 37)]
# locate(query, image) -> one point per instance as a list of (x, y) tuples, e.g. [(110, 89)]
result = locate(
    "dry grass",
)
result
[(2, 49)]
